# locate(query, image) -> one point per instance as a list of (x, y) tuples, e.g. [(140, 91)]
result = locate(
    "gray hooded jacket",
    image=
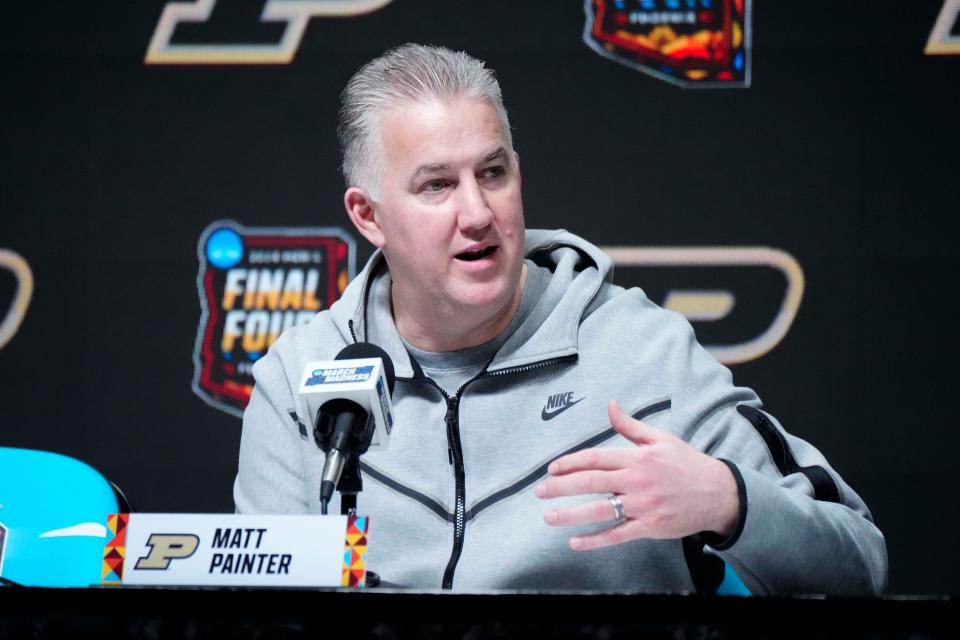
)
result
[(451, 500)]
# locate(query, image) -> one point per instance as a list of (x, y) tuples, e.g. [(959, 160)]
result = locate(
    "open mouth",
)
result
[(479, 254)]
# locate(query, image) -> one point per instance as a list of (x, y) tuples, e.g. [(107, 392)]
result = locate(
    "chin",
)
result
[(488, 295)]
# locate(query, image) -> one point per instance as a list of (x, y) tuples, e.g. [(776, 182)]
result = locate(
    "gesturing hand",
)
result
[(668, 488)]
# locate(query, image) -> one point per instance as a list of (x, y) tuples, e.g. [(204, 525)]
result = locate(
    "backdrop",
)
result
[(784, 173)]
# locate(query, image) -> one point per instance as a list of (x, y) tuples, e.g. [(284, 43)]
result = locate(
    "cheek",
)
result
[(512, 213), (425, 247), (401, 231)]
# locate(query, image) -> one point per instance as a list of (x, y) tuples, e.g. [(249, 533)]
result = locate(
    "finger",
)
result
[(618, 534), (630, 428), (579, 483), (606, 459), (597, 511)]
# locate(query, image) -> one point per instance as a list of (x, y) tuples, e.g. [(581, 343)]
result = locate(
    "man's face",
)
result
[(449, 207)]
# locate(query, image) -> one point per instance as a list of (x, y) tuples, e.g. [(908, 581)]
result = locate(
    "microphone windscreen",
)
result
[(368, 350)]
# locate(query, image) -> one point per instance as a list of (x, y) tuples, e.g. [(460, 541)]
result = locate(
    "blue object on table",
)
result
[(732, 585), (53, 515)]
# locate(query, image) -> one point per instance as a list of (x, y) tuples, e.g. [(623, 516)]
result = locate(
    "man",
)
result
[(512, 463)]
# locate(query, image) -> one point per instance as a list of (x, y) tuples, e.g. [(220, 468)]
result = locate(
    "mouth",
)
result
[(478, 254)]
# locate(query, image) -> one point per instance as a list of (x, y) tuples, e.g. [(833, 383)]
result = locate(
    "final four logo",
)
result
[(254, 283), (692, 43)]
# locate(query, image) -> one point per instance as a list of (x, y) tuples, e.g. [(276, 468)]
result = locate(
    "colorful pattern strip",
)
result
[(354, 553), (115, 550)]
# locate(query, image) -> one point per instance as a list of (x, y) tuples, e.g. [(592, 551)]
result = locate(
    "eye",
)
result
[(434, 186), (493, 172)]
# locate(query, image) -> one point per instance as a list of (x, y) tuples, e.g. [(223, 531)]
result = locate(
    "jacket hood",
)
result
[(577, 268)]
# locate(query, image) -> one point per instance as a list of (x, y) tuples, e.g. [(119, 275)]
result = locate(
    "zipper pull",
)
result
[(451, 411)]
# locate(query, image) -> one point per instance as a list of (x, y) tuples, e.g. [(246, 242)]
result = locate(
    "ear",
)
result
[(516, 162), (361, 209)]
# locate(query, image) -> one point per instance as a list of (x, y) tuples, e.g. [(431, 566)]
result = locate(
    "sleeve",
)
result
[(270, 474), (802, 529)]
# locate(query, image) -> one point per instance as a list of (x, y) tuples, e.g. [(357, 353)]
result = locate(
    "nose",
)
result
[(473, 210)]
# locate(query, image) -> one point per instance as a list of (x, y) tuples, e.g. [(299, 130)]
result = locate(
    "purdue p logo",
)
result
[(292, 15), (165, 547), (23, 278)]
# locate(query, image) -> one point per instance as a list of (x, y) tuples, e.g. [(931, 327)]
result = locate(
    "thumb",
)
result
[(629, 427)]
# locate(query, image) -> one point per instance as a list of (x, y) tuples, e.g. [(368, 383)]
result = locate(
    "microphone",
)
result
[(348, 402)]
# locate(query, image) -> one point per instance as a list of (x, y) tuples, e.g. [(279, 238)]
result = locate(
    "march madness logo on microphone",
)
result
[(691, 43), (253, 284), (338, 375)]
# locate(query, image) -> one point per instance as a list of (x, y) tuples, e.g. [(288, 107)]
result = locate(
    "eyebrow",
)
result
[(428, 169), (439, 167), (499, 154)]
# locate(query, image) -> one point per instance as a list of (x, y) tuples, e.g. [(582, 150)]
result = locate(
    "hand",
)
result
[(668, 488)]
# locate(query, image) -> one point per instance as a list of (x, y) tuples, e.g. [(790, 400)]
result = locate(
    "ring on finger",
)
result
[(619, 513)]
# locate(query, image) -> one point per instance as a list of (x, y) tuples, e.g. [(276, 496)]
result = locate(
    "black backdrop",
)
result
[(842, 152)]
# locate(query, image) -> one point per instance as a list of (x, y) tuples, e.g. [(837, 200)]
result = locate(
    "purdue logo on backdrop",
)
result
[(292, 14), (14, 311), (740, 300), (691, 43), (945, 37), (253, 284)]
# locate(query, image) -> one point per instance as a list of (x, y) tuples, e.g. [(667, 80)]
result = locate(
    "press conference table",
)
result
[(132, 612)]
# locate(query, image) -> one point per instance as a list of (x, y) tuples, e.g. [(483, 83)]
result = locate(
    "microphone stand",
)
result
[(349, 486), (343, 430)]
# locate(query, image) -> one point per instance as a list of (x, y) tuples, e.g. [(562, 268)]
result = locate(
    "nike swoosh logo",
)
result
[(553, 414)]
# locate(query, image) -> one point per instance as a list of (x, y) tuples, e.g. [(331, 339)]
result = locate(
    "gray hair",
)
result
[(408, 73)]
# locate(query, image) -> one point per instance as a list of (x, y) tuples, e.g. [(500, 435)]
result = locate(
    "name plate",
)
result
[(235, 550)]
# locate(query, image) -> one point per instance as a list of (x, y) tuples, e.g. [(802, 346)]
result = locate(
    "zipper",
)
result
[(455, 453), (455, 456), (460, 481), (529, 367)]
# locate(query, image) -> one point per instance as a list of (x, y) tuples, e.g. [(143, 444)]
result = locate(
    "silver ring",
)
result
[(618, 511)]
